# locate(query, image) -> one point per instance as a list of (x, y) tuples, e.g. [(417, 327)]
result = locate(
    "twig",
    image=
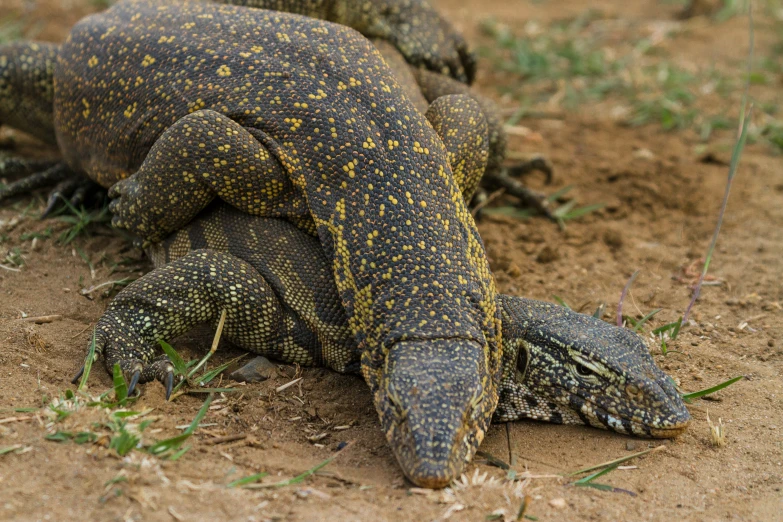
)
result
[(11, 269), (622, 298), (489, 199), (81, 331), (227, 438), (41, 319), (287, 385), (15, 419)]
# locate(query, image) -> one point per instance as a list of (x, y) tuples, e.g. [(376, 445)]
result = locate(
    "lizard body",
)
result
[(282, 115), (558, 366)]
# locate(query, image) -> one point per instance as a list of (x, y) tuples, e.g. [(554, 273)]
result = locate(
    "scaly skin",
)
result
[(288, 116), (27, 88), (415, 30), (29, 70), (558, 366)]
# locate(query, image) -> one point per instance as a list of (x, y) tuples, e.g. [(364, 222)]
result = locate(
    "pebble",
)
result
[(558, 503), (257, 370)]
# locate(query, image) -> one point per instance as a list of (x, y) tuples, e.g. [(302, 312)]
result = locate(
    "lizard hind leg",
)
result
[(70, 187), (37, 174), (202, 156)]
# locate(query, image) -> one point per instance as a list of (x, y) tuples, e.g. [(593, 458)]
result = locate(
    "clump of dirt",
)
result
[(660, 204)]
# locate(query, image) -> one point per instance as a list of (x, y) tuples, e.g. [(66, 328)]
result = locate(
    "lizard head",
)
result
[(568, 368), (435, 400)]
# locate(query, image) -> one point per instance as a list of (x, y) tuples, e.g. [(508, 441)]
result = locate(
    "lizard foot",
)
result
[(77, 192), (138, 365), (125, 207), (49, 174), (527, 197), (533, 163)]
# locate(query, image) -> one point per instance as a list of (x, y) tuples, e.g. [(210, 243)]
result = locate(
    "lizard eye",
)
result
[(523, 359), (583, 370)]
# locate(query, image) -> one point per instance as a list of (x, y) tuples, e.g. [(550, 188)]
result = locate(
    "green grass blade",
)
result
[(214, 390), (595, 485), (580, 211), (170, 444), (586, 480), (695, 395), (120, 386), (300, 478), (675, 327), (560, 301), (124, 442), (9, 449), (564, 209), (638, 326), (614, 462), (210, 375), (174, 357), (178, 454), (519, 213), (247, 480), (200, 415), (554, 196), (174, 443), (88, 363)]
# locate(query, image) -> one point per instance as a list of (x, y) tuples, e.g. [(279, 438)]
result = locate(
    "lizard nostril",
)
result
[(633, 390)]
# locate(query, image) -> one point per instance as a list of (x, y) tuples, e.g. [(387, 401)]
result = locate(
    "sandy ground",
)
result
[(661, 205)]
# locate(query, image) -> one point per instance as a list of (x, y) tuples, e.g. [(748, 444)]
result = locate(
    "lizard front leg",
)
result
[(195, 289), (496, 175)]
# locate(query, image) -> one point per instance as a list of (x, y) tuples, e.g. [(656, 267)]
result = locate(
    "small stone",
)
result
[(547, 255), (513, 270), (630, 445), (643, 154), (257, 370), (558, 503)]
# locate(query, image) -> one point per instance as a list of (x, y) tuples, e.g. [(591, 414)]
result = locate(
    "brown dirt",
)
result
[(660, 215)]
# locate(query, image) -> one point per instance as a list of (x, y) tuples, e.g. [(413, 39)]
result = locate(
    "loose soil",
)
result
[(661, 202)]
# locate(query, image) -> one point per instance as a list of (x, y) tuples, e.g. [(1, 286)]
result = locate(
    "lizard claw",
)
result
[(78, 375), (535, 162), (134, 381), (75, 192), (169, 383)]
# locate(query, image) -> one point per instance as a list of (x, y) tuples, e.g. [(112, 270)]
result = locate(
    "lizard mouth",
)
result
[(669, 432), (671, 426)]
